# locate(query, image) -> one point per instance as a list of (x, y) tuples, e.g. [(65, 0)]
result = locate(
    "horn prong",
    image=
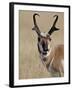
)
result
[(54, 28)]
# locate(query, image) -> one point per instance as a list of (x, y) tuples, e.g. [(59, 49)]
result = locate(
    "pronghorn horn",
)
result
[(54, 28), (36, 28)]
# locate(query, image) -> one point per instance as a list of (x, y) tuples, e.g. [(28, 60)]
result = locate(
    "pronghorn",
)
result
[(52, 58)]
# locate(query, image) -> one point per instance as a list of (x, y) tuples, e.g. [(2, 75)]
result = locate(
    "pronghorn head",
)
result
[(44, 38)]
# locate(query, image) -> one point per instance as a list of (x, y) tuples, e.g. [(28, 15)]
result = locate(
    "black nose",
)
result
[(46, 49)]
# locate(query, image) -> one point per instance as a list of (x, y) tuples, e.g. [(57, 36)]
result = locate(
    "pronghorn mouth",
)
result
[(44, 53)]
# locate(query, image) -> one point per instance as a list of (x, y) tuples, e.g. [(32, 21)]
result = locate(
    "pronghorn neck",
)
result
[(47, 60)]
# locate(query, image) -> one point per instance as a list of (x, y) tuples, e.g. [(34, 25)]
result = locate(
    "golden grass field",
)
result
[(30, 65)]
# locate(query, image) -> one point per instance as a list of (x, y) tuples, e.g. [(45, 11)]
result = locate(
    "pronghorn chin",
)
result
[(42, 56)]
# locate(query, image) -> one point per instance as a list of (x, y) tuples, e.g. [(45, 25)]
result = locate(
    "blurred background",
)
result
[(30, 65)]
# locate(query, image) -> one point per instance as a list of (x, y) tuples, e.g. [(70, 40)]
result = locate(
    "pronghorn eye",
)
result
[(38, 39)]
